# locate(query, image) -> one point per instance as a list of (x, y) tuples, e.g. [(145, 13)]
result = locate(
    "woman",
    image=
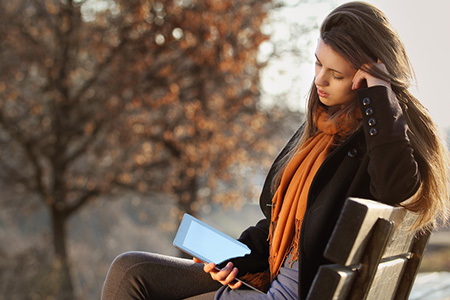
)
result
[(365, 136)]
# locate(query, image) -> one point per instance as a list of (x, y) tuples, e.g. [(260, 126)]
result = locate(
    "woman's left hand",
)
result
[(226, 276), (361, 75)]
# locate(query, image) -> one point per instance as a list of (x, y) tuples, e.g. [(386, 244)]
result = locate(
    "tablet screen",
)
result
[(207, 243)]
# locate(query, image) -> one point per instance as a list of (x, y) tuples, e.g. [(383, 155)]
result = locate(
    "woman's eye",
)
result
[(338, 77), (318, 64)]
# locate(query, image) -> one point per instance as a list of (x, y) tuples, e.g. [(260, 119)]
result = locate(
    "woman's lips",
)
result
[(322, 93)]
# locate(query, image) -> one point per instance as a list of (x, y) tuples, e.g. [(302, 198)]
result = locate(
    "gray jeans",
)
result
[(143, 275)]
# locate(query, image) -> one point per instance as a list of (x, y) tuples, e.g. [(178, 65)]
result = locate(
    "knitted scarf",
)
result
[(290, 199)]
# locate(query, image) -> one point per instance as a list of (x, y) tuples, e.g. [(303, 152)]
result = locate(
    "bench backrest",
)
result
[(374, 254)]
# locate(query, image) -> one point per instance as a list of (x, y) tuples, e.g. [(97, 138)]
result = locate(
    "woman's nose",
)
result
[(320, 79)]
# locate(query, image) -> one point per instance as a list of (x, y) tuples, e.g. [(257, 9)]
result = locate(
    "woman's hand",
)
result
[(226, 276), (361, 75)]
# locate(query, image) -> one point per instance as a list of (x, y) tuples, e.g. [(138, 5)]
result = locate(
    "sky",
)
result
[(424, 27)]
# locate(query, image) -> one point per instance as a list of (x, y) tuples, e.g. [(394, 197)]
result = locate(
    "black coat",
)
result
[(376, 162)]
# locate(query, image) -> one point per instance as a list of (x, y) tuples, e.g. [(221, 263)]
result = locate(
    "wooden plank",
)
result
[(403, 236), (371, 259), (352, 231), (376, 240), (386, 279), (409, 275), (332, 282)]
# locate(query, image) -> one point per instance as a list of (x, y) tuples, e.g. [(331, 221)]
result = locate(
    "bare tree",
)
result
[(141, 95)]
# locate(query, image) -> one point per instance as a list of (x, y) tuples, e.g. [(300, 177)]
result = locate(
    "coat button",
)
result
[(366, 101), (372, 122), (369, 111), (373, 131), (352, 153)]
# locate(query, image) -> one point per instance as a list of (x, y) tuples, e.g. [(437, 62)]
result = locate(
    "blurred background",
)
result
[(118, 116)]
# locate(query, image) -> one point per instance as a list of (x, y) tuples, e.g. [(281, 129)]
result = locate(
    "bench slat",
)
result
[(352, 231), (410, 272), (386, 280), (371, 258), (374, 253), (337, 279)]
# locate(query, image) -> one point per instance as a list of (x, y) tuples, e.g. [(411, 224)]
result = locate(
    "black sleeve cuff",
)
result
[(383, 121)]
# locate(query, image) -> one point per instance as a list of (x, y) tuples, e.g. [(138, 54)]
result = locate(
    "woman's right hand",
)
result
[(226, 276), (371, 80)]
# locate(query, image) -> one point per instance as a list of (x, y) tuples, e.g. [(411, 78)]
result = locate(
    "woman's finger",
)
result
[(196, 260), (235, 285), (371, 80), (358, 78), (210, 268), (230, 280), (228, 277), (223, 274)]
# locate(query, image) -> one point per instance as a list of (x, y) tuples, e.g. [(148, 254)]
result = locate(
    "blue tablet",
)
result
[(208, 244)]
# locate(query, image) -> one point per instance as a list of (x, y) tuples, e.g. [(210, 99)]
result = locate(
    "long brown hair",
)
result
[(362, 34)]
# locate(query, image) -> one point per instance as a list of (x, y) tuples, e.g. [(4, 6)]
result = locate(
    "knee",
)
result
[(120, 275), (125, 261)]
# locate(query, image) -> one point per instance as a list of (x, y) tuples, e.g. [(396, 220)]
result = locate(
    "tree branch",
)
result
[(16, 135), (81, 201), (102, 66)]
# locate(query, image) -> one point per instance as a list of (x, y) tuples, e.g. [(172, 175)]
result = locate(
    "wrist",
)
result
[(378, 82)]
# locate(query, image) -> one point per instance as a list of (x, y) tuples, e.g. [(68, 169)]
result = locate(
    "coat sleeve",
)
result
[(255, 237), (393, 169)]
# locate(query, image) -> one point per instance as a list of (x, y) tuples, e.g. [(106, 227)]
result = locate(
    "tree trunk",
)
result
[(65, 290)]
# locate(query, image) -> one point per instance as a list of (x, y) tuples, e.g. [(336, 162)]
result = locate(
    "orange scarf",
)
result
[(290, 199)]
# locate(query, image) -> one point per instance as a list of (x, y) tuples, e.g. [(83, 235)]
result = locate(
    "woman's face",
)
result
[(333, 76)]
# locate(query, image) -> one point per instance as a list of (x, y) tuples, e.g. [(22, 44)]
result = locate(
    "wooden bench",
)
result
[(374, 254)]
